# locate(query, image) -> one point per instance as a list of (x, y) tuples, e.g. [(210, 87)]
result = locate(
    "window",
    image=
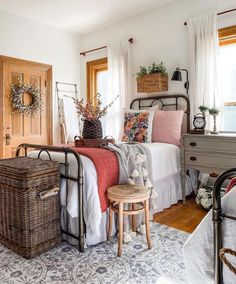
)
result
[(97, 79), (227, 37), (97, 72)]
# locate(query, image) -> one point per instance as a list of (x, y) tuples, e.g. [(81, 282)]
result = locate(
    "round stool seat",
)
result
[(135, 195), (128, 193)]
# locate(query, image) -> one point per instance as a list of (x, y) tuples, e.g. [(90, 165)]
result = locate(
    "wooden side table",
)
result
[(138, 196), (208, 153)]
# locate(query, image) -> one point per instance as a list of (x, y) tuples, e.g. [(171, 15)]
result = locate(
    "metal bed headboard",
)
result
[(165, 101), (217, 218)]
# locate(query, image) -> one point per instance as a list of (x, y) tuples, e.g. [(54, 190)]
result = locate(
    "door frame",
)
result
[(37, 66)]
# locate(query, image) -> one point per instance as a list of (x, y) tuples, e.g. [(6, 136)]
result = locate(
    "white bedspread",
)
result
[(198, 251)]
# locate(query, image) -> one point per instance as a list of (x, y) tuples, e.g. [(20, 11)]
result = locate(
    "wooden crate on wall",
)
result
[(155, 82)]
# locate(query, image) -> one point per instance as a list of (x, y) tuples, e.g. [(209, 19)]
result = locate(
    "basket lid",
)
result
[(25, 165)]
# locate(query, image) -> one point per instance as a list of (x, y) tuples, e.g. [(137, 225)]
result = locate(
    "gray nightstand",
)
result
[(207, 153)]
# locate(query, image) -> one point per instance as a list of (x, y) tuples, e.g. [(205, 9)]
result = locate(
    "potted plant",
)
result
[(91, 113), (214, 112), (153, 78), (203, 109)]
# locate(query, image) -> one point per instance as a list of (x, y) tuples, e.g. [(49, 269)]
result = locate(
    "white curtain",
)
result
[(204, 64), (119, 83)]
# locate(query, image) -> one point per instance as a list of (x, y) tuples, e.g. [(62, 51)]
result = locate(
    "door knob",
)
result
[(8, 139)]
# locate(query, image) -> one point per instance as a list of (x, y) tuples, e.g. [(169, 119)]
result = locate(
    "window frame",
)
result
[(93, 67), (227, 36)]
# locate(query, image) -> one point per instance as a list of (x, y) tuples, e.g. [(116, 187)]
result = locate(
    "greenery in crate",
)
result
[(152, 69)]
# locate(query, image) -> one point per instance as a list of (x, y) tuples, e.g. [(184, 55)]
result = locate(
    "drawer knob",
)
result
[(193, 158), (193, 144)]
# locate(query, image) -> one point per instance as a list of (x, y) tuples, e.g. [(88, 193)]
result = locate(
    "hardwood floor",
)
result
[(183, 217)]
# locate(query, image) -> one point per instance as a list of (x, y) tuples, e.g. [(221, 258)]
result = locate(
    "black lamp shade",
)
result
[(177, 75)]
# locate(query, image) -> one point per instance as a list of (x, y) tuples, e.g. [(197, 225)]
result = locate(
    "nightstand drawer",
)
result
[(220, 161), (204, 143)]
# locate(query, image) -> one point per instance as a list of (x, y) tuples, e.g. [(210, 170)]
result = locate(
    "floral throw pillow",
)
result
[(137, 126)]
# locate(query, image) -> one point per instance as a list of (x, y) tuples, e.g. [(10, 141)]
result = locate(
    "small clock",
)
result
[(199, 123)]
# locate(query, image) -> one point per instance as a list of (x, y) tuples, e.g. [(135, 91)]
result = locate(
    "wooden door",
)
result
[(19, 128)]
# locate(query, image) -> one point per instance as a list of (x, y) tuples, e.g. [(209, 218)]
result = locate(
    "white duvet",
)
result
[(198, 251)]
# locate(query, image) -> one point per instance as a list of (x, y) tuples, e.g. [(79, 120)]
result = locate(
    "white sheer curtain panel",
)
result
[(204, 63), (119, 83)]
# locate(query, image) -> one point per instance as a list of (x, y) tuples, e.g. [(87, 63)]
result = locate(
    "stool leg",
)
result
[(120, 241), (146, 205), (110, 223), (134, 223)]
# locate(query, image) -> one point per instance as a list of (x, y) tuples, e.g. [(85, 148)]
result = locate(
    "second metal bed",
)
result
[(217, 217)]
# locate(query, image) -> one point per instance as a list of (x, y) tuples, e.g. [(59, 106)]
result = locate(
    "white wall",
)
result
[(30, 40), (159, 34)]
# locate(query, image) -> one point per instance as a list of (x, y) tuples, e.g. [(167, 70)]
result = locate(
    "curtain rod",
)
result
[(218, 14), (95, 49)]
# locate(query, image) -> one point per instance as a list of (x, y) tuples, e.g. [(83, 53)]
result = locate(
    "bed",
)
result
[(81, 213), (217, 230)]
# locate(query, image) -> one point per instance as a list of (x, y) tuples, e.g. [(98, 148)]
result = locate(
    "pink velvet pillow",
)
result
[(167, 126)]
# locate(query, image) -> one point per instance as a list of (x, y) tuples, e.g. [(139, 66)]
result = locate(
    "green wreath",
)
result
[(17, 92)]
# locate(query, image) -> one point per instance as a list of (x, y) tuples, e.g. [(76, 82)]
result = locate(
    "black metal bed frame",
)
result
[(217, 218), (79, 179)]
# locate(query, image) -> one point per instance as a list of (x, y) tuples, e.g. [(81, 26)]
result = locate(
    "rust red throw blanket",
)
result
[(106, 164)]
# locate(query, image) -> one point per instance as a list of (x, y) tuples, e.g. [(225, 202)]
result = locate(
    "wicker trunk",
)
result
[(152, 83), (30, 205)]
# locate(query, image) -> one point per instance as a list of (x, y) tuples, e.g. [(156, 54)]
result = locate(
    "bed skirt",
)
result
[(169, 192)]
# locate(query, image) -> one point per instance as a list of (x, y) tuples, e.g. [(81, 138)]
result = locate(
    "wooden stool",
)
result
[(134, 194)]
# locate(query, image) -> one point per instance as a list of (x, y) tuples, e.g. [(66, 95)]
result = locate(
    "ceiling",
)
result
[(79, 16)]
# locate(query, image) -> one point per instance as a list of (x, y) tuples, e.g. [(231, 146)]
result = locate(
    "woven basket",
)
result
[(92, 143), (152, 83), (30, 205), (92, 129)]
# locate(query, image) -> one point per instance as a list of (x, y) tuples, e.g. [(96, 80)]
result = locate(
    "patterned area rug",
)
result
[(100, 264)]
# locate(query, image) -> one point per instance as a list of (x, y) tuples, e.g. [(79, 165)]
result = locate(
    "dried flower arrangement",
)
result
[(90, 111)]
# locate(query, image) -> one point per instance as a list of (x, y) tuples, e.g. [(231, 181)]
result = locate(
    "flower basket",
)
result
[(155, 82), (92, 129)]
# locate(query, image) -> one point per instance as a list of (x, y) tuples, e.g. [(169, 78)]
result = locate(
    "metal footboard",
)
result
[(79, 179), (217, 217)]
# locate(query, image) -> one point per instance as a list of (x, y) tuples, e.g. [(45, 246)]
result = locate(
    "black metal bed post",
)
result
[(82, 226), (67, 186), (217, 223)]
